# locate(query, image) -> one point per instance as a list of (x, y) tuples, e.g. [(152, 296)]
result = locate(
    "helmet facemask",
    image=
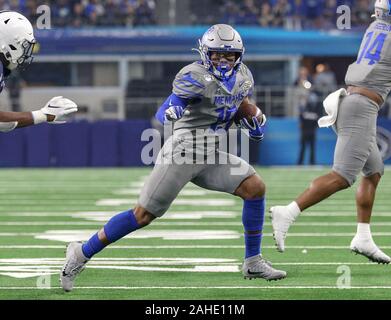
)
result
[(25, 58), (223, 63)]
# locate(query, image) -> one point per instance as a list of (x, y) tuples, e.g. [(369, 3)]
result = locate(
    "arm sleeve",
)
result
[(172, 100)]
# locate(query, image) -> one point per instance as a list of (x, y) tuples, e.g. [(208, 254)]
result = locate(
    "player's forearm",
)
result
[(23, 119)]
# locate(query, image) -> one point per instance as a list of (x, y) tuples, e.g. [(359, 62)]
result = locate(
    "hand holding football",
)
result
[(248, 111)]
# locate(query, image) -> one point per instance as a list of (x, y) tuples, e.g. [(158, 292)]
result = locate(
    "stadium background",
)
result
[(118, 58)]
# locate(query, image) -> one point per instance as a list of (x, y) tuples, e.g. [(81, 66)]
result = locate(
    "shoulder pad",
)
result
[(191, 81)]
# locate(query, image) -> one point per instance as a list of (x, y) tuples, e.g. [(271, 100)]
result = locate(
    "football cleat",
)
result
[(369, 249), (281, 221), (257, 267), (75, 263)]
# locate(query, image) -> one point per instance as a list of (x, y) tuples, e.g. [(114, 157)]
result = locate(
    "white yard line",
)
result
[(182, 214), (185, 223), (200, 287), (49, 223), (122, 247), (43, 262), (291, 234)]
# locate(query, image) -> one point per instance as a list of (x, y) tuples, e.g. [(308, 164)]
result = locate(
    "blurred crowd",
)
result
[(290, 14), (77, 13), (294, 14)]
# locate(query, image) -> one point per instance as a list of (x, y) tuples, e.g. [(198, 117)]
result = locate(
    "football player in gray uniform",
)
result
[(206, 95), (355, 115)]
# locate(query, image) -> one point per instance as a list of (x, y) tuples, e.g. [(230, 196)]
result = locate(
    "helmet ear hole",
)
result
[(12, 47)]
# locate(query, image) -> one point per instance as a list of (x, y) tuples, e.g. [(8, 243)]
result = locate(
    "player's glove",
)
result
[(257, 130), (174, 113), (59, 107)]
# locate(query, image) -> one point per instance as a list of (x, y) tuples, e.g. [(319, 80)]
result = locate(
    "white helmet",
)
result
[(383, 10), (16, 39), (221, 38)]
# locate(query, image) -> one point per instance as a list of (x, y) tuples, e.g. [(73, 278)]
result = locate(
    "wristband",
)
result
[(39, 117)]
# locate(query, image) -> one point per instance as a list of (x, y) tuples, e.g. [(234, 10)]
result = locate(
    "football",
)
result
[(248, 111)]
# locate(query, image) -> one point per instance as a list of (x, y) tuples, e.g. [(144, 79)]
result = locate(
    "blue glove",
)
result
[(174, 113), (257, 130)]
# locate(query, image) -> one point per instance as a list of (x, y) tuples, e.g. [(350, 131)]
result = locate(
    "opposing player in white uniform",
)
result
[(369, 83), (16, 51), (205, 97)]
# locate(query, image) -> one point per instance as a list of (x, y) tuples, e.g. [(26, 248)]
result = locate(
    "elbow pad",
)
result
[(8, 126)]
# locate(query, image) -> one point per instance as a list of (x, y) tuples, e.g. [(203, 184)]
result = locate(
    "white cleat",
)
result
[(369, 249), (281, 221), (257, 267), (74, 264)]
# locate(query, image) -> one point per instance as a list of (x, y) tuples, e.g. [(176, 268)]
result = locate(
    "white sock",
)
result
[(364, 230), (293, 210)]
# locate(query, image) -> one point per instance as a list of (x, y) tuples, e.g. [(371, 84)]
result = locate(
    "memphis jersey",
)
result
[(372, 69), (212, 103)]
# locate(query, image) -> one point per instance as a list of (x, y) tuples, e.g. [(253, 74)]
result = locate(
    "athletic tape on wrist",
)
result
[(39, 117)]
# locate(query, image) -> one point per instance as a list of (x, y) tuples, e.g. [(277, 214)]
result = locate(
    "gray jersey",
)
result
[(372, 68), (213, 103)]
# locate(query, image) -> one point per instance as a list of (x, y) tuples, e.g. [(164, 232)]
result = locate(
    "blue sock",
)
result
[(252, 218), (92, 246), (116, 228)]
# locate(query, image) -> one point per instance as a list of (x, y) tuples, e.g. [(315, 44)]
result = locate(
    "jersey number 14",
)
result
[(372, 49)]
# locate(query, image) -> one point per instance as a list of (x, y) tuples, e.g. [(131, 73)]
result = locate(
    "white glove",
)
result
[(174, 113), (59, 107)]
